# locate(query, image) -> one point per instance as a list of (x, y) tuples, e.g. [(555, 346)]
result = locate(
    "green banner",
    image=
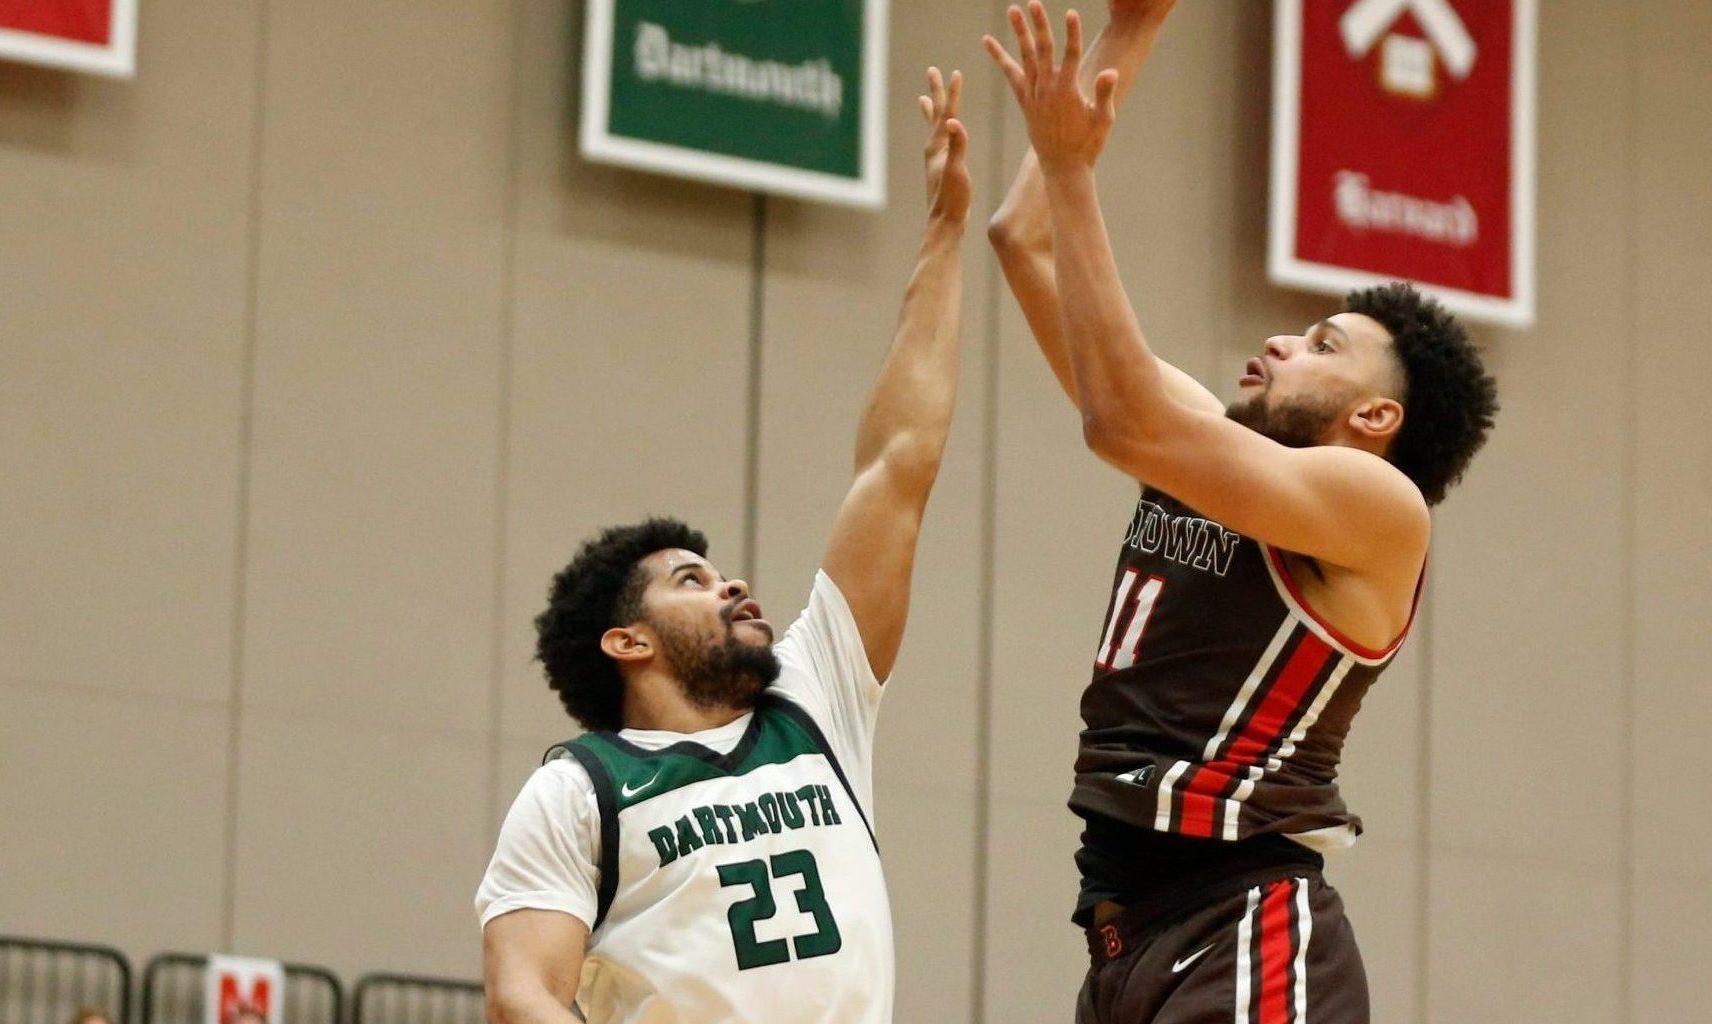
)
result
[(777, 95)]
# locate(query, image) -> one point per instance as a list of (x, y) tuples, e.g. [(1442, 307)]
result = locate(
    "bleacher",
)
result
[(47, 982)]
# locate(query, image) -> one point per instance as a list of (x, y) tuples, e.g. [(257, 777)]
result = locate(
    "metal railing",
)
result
[(44, 982), (175, 984), (409, 999)]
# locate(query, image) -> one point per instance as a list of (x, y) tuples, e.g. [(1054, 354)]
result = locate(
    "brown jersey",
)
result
[(1219, 702)]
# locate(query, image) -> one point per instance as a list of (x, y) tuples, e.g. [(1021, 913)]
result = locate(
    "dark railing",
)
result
[(45, 982), (174, 992), (407, 999)]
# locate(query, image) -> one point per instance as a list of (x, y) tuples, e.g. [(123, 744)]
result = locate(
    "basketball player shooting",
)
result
[(1268, 575), (704, 851)]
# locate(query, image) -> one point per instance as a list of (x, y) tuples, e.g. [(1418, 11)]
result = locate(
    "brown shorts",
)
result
[(1279, 952)]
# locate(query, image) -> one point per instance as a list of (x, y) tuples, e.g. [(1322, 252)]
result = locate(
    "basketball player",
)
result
[(705, 851), (1269, 574)]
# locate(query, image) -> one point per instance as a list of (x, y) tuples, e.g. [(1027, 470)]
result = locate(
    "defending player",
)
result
[(704, 852), (1269, 574)]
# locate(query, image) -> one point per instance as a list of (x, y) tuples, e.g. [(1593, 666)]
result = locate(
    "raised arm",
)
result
[(1021, 229), (532, 961), (1341, 505), (901, 437)]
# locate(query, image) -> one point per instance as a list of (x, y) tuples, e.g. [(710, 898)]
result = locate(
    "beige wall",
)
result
[(320, 349)]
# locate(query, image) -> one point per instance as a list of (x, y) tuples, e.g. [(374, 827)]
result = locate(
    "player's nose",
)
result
[(1278, 346), (734, 589)]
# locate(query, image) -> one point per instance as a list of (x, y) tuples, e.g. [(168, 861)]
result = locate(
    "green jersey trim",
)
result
[(640, 774), (603, 790)]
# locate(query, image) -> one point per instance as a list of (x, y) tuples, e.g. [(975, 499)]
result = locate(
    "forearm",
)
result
[(1118, 380), (908, 414)]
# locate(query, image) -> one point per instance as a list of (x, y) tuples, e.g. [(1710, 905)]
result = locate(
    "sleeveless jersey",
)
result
[(1219, 703), (740, 887)]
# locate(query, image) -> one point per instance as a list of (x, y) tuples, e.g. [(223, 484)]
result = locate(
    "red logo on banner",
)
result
[(1402, 127), (258, 1000), (82, 21), (242, 990)]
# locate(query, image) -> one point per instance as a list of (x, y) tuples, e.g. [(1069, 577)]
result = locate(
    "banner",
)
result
[(782, 96), (1403, 147), (244, 990), (99, 36)]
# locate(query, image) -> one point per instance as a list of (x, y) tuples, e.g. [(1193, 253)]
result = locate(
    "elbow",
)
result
[(1115, 435), (1100, 428), (1096, 433), (1009, 237)]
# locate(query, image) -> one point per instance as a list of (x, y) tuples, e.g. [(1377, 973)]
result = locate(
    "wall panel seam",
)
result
[(503, 425), (245, 472), (1628, 541), (1424, 821), (753, 396), (987, 584)]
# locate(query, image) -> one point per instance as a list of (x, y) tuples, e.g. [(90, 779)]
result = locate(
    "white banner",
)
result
[(244, 990)]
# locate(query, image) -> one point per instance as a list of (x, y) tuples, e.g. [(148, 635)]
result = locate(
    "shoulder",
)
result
[(1376, 493), (561, 785)]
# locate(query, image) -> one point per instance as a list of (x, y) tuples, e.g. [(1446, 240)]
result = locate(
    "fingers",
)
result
[(1044, 45), (1025, 43), (958, 139), (1072, 44), (1105, 95), (1013, 71), (940, 103), (931, 103)]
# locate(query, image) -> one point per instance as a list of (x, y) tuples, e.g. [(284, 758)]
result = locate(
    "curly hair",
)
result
[(600, 588), (1449, 401)]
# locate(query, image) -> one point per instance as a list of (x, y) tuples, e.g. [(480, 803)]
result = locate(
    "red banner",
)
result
[(84, 35), (1403, 147)]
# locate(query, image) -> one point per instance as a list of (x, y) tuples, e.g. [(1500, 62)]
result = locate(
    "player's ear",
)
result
[(1378, 419), (627, 643)]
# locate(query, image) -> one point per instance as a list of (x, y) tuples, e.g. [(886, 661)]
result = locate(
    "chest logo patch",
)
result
[(1188, 540)]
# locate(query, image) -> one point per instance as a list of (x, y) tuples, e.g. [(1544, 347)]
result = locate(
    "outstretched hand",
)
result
[(1066, 128), (947, 174)]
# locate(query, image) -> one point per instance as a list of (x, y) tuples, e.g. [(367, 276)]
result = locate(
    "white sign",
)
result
[(243, 990)]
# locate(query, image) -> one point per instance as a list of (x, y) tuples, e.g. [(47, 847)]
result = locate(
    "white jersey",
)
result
[(730, 875)]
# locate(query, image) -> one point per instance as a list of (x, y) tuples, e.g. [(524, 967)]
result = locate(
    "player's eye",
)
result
[(1322, 345)]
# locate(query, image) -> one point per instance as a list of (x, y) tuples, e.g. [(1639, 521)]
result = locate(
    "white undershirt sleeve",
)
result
[(548, 854)]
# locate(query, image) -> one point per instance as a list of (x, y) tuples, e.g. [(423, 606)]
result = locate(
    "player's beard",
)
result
[(1300, 423), (720, 672)]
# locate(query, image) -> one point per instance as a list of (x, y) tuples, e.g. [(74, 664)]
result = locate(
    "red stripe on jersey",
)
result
[(1262, 733), (1276, 952), (1201, 798), (1200, 803), (1266, 726)]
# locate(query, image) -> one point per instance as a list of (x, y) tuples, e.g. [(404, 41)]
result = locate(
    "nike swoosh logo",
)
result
[(628, 792), (1181, 965)]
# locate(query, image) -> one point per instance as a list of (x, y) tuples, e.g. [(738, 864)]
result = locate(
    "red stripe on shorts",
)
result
[(1277, 951)]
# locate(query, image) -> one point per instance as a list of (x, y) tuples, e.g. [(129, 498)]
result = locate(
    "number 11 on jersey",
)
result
[(1132, 605)]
